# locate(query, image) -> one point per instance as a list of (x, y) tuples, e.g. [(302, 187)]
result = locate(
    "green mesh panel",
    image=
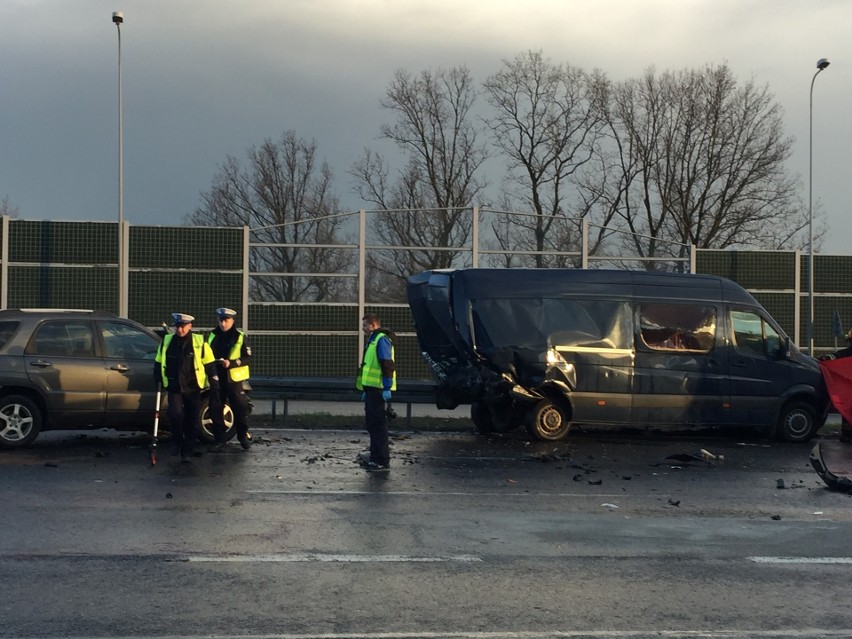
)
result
[(155, 295), (186, 247), (63, 287), (63, 242), (304, 317), (750, 269)]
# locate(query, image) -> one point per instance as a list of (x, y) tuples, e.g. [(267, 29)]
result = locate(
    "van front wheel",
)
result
[(796, 423), (547, 421)]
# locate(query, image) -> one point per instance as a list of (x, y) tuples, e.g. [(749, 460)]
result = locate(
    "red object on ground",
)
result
[(837, 374)]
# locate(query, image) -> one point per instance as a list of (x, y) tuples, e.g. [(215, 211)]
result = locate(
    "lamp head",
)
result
[(118, 18), (822, 64)]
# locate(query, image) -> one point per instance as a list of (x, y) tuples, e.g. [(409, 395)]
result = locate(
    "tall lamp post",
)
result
[(118, 19), (822, 65)]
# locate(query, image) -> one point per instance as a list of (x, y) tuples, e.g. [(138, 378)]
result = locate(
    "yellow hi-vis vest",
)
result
[(202, 355), (236, 373), (371, 369)]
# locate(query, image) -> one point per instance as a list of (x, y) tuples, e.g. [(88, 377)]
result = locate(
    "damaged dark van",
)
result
[(548, 348)]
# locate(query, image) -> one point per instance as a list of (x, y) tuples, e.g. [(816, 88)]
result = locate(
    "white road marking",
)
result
[(431, 493), (801, 560), (811, 633), (324, 557)]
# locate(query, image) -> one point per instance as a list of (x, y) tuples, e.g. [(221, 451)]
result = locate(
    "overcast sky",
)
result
[(207, 78)]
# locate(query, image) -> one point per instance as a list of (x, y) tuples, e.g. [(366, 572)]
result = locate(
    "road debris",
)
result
[(678, 460), (834, 467)]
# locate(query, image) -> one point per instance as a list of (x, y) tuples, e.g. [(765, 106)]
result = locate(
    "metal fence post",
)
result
[(4, 267), (123, 268), (584, 251), (797, 299), (362, 277), (475, 238), (245, 285)]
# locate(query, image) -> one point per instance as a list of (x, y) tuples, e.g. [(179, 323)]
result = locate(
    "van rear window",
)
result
[(678, 327)]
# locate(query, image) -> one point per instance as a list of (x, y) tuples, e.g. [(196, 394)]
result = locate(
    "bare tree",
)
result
[(546, 120), (426, 202), (284, 195), (698, 159), (7, 208)]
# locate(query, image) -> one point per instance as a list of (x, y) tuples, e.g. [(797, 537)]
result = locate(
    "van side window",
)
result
[(752, 333), (678, 327), (529, 322)]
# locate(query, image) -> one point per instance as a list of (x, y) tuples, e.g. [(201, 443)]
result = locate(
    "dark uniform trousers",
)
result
[(374, 413), (233, 394), (184, 413)]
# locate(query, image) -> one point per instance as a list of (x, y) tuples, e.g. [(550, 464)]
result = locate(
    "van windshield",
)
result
[(536, 323)]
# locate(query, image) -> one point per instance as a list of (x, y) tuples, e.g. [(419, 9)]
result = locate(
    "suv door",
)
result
[(61, 361), (129, 352)]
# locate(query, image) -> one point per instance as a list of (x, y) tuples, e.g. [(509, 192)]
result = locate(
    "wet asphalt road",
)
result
[(603, 535)]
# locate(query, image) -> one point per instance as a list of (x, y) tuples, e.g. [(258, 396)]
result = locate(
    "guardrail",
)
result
[(334, 389)]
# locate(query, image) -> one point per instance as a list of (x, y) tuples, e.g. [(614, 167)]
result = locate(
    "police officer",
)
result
[(233, 353), (182, 365), (377, 378), (845, 427)]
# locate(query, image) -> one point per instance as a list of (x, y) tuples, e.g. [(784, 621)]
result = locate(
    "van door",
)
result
[(758, 373), (680, 376), (594, 340)]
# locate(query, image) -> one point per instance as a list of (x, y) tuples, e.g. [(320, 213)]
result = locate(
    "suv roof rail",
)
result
[(55, 310)]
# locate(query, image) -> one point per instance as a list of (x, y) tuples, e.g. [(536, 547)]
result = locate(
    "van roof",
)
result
[(482, 283)]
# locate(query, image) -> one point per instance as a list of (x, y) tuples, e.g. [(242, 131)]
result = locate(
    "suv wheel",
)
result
[(20, 421), (206, 430)]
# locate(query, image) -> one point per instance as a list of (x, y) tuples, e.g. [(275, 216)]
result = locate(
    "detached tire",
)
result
[(205, 429), (796, 423), (547, 421), (20, 421)]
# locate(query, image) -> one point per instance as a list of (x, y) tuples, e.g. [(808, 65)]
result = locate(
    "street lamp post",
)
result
[(118, 19), (822, 65)]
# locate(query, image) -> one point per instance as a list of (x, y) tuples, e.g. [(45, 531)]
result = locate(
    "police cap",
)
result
[(225, 313), (182, 318)]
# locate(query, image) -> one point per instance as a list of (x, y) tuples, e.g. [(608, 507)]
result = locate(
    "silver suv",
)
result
[(70, 369)]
